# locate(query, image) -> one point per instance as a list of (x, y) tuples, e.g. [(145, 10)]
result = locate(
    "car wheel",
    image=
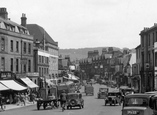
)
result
[(67, 107)]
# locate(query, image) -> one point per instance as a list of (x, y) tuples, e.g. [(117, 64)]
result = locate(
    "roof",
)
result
[(140, 95), (11, 23), (38, 33), (73, 93)]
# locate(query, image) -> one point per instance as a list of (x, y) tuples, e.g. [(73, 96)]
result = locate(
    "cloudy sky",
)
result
[(87, 23)]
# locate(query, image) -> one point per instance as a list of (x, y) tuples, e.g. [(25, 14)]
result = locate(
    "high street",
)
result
[(93, 106)]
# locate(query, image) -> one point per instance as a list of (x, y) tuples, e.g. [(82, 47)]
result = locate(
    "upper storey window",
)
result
[(29, 48), (11, 45), (2, 44), (24, 47)]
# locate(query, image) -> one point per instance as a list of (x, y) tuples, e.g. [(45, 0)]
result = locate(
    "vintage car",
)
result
[(102, 93), (113, 98), (138, 104), (75, 100), (89, 89)]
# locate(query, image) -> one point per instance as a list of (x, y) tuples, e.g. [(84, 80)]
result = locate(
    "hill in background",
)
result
[(81, 53)]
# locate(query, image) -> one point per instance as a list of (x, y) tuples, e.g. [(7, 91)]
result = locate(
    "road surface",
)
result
[(93, 106)]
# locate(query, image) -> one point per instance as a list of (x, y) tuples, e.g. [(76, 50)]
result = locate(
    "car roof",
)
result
[(73, 93), (114, 92), (151, 92), (140, 95)]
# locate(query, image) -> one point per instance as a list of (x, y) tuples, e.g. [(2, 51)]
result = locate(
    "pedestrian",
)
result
[(1, 102), (18, 99), (22, 99)]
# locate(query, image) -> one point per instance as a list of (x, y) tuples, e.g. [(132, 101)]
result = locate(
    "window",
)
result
[(156, 59), (24, 68), (153, 38), (42, 59), (11, 64), (24, 47), (17, 46), (39, 71), (29, 48), (156, 36), (2, 44), (42, 71), (11, 45), (39, 59), (29, 65), (17, 65), (149, 40), (2, 63)]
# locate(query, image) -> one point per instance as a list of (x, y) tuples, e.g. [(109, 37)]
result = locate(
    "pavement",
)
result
[(15, 106)]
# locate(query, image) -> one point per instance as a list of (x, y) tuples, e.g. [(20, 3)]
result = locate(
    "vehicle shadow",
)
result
[(110, 105)]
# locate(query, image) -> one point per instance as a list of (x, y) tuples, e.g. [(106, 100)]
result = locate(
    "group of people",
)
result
[(23, 98), (20, 99)]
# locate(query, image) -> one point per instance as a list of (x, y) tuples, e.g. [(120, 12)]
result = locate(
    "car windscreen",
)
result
[(73, 96), (136, 101), (112, 94)]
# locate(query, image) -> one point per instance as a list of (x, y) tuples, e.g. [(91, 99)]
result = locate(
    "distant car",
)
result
[(102, 93), (89, 89), (113, 98), (75, 100)]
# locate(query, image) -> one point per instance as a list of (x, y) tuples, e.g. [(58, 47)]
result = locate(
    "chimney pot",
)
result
[(4, 13), (23, 20)]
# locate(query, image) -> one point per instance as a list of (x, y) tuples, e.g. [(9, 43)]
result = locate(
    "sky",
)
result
[(87, 23)]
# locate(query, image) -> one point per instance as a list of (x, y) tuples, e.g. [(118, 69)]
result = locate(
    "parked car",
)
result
[(139, 104), (113, 98), (75, 100), (102, 93)]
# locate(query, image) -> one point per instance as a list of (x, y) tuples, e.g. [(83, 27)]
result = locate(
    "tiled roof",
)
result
[(38, 33)]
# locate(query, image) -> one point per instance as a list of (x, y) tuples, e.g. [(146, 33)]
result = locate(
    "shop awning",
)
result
[(3, 87), (11, 84), (29, 83)]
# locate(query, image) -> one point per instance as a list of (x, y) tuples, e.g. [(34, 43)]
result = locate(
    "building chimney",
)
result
[(4, 13), (23, 20)]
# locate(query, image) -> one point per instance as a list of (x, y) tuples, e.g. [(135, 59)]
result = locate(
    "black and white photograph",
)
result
[(78, 57)]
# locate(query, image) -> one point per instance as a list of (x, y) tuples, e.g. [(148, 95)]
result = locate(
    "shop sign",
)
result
[(33, 74)]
